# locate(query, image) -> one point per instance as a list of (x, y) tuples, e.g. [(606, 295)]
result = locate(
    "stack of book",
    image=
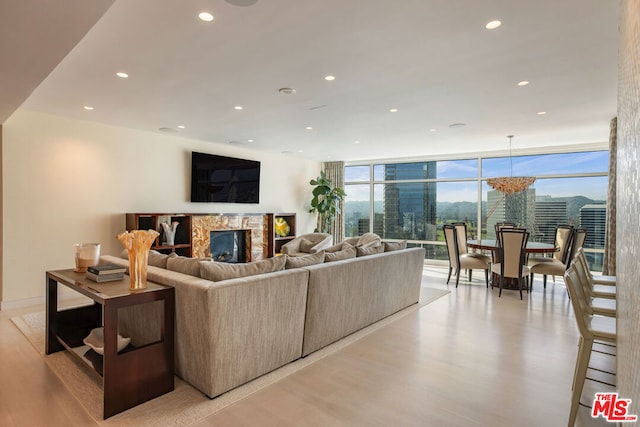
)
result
[(105, 273)]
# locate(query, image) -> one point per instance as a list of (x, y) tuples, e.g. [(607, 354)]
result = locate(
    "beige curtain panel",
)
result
[(335, 172)]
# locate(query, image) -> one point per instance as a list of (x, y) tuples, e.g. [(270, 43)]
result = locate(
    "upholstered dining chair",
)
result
[(466, 261), (596, 280), (512, 243), (556, 265), (306, 244), (591, 328), (593, 290)]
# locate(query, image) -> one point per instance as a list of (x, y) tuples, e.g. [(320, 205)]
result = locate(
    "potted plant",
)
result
[(326, 202)]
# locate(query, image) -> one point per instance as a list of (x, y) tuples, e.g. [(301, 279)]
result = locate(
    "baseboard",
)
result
[(64, 296)]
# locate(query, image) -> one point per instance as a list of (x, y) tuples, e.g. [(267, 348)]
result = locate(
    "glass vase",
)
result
[(137, 243)]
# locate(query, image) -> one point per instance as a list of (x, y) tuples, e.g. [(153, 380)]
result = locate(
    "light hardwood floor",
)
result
[(467, 359)]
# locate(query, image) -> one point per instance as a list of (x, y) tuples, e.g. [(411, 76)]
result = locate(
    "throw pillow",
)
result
[(369, 251), (395, 246), (185, 265), (218, 271), (304, 260), (306, 245), (158, 259), (338, 247), (340, 255), (369, 240)]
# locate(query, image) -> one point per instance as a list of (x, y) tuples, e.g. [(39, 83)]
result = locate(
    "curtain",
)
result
[(609, 258), (335, 172)]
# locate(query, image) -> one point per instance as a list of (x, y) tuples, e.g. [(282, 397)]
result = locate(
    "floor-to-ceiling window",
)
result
[(412, 199)]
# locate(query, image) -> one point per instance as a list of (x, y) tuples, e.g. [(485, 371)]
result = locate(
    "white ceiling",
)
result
[(432, 59)]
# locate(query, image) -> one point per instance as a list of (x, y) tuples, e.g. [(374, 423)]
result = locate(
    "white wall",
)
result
[(68, 181)]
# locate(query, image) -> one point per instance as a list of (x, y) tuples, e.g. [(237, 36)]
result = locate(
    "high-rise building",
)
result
[(594, 219), (410, 207), (519, 208), (549, 214)]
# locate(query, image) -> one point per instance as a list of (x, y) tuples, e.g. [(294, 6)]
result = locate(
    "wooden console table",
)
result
[(131, 376)]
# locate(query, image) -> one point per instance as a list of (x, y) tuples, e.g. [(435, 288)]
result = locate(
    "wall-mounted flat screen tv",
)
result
[(224, 179)]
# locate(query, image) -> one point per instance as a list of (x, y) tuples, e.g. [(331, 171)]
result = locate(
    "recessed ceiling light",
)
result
[(299, 151), (393, 110), (180, 126), (330, 78), (205, 16), (523, 83), (88, 107), (249, 140), (242, 3), (493, 25), (238, 107), (309, 128), (122, 75), (356, 142), (287, 91), (542, 113), (432, 130)]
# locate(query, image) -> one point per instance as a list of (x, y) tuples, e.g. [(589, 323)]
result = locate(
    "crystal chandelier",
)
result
[(510, 184)]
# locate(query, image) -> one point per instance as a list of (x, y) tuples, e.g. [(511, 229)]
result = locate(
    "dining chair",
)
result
[(512, 244), (557, 264), (459, 261), (593, 290), (500, 225), (597, 304), (591, 328), (597, 280)]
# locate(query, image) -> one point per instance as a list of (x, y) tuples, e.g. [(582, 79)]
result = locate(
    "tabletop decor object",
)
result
[(137, 243), (282, 227), (86, 254), (170, 232), (510, 184)]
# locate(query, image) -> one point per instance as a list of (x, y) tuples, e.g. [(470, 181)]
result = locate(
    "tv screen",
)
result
[(224, 179)]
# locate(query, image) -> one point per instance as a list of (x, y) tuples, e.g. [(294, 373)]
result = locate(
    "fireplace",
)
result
[(230, 245)]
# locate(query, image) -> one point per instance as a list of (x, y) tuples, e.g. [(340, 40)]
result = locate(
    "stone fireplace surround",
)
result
[(202, 225)]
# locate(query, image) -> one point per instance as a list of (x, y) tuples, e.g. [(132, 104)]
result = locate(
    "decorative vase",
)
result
[(281, 227), (170, 232), (137, 243)]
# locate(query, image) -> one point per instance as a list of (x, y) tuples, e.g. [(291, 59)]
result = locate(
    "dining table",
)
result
[(492, 245)]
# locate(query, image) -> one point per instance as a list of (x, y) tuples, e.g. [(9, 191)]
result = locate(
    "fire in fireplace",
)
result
[(229, 245)]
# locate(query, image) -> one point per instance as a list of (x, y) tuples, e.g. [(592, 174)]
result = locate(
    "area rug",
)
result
[(185, 405)]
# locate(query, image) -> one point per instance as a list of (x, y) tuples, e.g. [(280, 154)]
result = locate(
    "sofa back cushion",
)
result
[(185, 265), (155, 259), (304, 260), (395, 246), (340, 255), (369, 250), (218, 271), (338, 247)]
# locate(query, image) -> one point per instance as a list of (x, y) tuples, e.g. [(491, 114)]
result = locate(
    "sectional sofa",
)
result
[(232, 330)]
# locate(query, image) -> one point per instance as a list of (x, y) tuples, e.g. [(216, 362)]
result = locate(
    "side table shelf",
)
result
[(131, 376)]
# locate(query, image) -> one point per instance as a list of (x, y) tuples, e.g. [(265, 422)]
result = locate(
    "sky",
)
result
[(537, 165)]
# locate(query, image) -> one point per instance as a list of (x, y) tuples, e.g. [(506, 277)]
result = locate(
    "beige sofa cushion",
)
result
[(185, 265), (369, 250), (218, 271), (306, 245), (338, 247), (340, 255), (304, 260), (395, 246)]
